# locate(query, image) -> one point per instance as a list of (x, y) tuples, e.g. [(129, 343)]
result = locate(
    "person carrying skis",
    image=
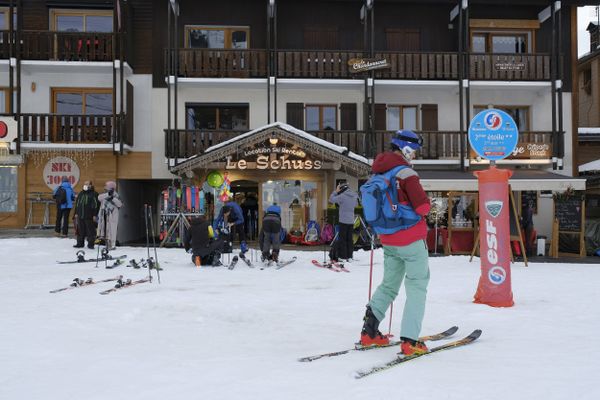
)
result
[(269, 237), (231, 219), (346, 199), (200, 239), (108, 216), (64, 196), (86, 215), (405, 253)]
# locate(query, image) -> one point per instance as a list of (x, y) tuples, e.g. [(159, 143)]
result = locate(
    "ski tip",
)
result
[(451, 331), (475, 334)]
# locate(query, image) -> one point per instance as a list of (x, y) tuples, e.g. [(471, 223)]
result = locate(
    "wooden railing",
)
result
[(185, 143), (60, 128), (509, 67), (328, 64), (220, 63), (61, 46)]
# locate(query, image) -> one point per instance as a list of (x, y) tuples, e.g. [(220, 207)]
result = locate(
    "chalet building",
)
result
[(286, 97)]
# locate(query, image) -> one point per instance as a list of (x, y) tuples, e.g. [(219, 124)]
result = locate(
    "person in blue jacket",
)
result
[(64, 196), (231, 221)]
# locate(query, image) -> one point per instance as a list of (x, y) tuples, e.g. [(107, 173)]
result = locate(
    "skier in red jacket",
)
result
[(405, 253)]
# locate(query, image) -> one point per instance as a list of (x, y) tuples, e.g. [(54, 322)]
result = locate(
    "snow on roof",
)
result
[(295, 131), (591, 166), (588, 131)]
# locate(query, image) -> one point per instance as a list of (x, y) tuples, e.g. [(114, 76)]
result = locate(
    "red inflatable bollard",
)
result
[(494, 287)]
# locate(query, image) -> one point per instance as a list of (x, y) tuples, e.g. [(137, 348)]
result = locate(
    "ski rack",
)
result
[(179, 223)]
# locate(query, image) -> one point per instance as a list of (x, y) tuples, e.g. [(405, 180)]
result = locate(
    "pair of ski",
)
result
[(235, 260), (81, 258), (125, 283), (77, 283), (331, 265), (278, 264), (400, 360)]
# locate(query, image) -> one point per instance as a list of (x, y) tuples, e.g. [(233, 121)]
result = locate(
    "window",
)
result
[(321, 117), (4, 21), (217, 116), (78, 101), (217, 37), (4, 100), (81, 20), (501, 42), (519, 113), (8, 189), (401, 117)]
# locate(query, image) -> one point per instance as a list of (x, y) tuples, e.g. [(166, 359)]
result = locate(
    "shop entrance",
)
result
[(298, 200), (245, 193)]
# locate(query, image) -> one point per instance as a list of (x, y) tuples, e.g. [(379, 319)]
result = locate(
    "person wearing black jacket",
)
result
[(200, 238), (86, 212), (269, 237)]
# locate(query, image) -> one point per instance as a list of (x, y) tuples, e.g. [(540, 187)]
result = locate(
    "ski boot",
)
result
[(370, 335), (410, 347), (216, 261)]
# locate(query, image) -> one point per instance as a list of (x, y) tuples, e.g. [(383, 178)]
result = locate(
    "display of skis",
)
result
[(89, 281), (400, 360), (122, 284), (81, 258), (233, 262), (357, 347)]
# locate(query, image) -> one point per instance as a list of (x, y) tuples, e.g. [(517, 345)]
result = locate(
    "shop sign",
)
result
[(528, 150), (493, 134), (8, 129), (273, 158), (56, 168), (367, 64), (509, 66)]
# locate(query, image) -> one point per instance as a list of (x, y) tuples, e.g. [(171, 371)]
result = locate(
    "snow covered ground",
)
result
[(211, 333)]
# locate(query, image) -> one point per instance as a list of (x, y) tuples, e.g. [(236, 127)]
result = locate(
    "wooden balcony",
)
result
[(185, 143), (509, 67), (73, 129), (61, 46), (328, 64)]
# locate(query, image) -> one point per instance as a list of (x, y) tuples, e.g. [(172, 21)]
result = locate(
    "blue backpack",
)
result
[(381, 207)]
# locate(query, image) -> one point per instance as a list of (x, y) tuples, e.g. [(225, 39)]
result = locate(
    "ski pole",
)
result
[(371, 272), (154, 245), (391, 315), (147, 239)]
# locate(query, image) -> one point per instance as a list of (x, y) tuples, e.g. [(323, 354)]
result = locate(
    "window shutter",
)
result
[(295, 115), (380, 117), (403, 39), (429, 117), (348, 116)]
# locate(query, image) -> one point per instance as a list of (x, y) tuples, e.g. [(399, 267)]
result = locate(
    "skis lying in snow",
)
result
[(81, 258), (438, 336), (122, 284), (233, 262), (332, 265), (89, 281), (452, 345), (282, 264)]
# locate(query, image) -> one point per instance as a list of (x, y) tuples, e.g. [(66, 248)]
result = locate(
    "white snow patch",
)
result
[(219, 334)]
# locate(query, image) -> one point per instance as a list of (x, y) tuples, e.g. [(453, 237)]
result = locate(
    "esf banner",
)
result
[(494, 287), (493, 134)]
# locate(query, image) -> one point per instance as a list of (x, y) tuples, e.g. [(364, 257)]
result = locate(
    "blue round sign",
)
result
[(493, 134)]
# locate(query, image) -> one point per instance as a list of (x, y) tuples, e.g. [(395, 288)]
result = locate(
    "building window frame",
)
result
[(490, 28), (218, 111), (321, 108), (508, 109), (7, 99), (9, 207), (401, 108), (5, 20), (84, 91), (58, 12), (227, 32)]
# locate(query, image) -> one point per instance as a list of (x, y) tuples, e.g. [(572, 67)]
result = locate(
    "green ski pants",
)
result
[(411, 261)]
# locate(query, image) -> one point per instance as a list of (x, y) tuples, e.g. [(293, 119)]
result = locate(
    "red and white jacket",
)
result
[(410, 192)]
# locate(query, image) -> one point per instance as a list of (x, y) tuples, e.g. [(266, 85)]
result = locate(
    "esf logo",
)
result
[(492, 120), (497, 275), (494, 207)]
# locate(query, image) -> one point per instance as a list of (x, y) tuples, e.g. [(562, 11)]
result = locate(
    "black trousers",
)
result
[(344, 244), (208, 254), (62, 220), (86, 229)]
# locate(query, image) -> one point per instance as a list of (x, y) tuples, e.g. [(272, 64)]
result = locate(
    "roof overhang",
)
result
[(521, 180), (341, 158)]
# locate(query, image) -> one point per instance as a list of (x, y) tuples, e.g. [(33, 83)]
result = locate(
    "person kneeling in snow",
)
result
[(269, 236), (200, 239)]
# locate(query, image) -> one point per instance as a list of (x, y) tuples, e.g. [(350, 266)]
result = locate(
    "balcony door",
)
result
[(82, 114), (231, 117), (403, 39), (217, 37), (82, 35)]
